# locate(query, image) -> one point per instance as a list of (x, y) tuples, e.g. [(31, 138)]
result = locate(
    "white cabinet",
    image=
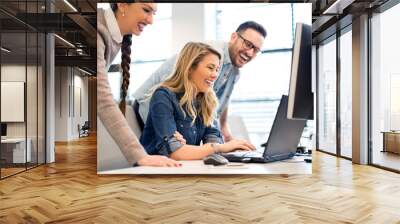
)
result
[(17, 147)]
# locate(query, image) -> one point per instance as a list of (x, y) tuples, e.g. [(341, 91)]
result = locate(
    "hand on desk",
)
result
[(154, 160)]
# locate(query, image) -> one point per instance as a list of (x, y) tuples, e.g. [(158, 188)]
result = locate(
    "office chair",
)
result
[(84, 130), (109, 156)]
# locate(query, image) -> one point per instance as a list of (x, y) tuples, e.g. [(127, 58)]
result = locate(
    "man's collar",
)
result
[(227, 57)]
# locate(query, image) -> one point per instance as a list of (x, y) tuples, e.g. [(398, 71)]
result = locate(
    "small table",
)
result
[(391, 141)]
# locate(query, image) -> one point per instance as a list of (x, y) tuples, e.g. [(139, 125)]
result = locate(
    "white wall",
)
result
[(69, 85), (80, 83), (188, 24), (62, 81)]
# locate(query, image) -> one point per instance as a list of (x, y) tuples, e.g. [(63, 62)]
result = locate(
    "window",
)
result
[(346, 94), (22, 62), (385, 88), (279, 35), (327, 96), (153, 50), (263, 81)]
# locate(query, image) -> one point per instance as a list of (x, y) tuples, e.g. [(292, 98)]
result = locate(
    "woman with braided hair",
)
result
[(115, 27)]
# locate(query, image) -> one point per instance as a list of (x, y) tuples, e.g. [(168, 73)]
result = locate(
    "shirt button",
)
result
[(181, 125)]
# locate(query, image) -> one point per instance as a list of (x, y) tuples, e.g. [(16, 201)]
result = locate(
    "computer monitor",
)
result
[(3, 129), (301, 97)]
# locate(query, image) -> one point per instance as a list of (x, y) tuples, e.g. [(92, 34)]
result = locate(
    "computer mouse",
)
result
[(215, 159), (308, 160)]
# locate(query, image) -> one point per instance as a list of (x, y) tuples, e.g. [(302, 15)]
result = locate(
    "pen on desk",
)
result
[(239, 164)]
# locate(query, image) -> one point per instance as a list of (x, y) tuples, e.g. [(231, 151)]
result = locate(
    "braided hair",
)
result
[(125, 64)]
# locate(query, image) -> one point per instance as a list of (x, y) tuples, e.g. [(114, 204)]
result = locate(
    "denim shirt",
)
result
[(166, 117), (223, 86)]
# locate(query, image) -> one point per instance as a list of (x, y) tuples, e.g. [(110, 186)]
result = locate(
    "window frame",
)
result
[(333, 37)]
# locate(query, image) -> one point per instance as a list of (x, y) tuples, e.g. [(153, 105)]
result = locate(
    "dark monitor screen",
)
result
[(3, 129), (301, 97)]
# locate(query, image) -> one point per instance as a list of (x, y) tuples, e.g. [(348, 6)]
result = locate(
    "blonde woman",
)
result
[(186, 103), (115, 27)]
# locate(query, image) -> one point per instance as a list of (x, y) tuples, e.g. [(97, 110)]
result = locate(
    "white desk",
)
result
[(292, 166), (18, 150)]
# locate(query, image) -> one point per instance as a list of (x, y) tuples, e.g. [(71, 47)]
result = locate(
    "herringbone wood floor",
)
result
[(70, 191)]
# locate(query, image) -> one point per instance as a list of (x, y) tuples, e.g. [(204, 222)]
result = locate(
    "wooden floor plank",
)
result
[(70, 191)]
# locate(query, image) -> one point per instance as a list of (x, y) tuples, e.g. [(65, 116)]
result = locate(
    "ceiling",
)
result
[(330, 15), (23, 22)]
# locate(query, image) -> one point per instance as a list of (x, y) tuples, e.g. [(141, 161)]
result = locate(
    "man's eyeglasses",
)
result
[(248, 44)]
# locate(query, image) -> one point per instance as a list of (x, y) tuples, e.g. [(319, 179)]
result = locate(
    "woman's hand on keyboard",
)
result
[(236, 144)]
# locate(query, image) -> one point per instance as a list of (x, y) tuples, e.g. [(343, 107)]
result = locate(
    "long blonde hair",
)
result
[(180, 82)]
